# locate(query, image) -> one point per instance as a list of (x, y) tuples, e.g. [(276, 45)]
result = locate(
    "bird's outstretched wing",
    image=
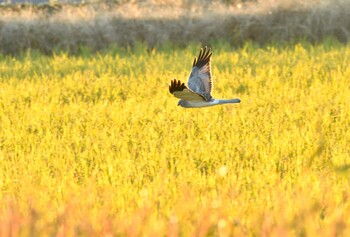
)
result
[(200, 80), (180, 91)]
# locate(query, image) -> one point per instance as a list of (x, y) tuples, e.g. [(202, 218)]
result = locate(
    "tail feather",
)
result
[(231, 101)]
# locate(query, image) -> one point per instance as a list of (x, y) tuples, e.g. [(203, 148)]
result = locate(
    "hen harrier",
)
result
[(200, 85)]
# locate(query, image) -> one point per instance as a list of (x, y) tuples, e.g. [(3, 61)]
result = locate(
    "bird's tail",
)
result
[(231, 101)]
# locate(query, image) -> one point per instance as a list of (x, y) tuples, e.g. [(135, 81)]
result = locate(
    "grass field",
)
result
[(94, 145), (99, 25)]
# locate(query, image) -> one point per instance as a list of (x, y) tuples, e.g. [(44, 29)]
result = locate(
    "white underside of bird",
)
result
[(200, 104), (200, 85)]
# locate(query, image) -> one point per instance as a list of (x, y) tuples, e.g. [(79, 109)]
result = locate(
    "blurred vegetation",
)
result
[(36, 2), (155, 23), (95, 145)]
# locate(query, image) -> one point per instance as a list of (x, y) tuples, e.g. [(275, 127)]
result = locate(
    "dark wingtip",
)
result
[(176, 85), (203, 57)]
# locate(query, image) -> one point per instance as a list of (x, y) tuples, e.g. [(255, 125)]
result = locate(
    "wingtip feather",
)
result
[(176, 85), (203, 58)]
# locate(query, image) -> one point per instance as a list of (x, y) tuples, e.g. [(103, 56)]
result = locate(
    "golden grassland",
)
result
[(156, 22), (94, 145)]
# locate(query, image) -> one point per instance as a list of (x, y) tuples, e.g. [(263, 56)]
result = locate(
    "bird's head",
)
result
[(182, 103)]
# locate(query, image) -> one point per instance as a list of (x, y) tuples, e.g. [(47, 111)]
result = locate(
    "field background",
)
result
[(98, 25), (93, 144)]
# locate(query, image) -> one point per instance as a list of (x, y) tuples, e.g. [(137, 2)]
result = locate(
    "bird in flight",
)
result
[(200, 85)]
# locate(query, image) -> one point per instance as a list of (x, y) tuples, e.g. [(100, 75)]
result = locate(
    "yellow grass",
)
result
[(94, 145)]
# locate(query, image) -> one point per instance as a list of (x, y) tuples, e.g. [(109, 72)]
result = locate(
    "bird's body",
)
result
[(200, 85), (200, 103)]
